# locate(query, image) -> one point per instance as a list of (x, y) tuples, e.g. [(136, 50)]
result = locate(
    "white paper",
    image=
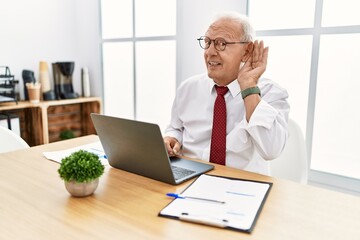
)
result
[(242, 201), (95, 148)]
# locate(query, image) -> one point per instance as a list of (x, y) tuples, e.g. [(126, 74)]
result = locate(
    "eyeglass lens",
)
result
[(219, 43)]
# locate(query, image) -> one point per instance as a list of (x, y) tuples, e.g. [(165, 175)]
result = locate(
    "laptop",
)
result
[(138, 147)]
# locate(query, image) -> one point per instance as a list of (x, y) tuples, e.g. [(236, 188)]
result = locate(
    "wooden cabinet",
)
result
[(42, 122)]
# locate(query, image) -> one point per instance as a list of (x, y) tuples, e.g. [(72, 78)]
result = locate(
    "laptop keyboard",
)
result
[(181, 172)]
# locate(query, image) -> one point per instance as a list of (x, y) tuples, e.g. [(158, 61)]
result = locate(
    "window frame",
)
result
[(315, 177), (133, 39)]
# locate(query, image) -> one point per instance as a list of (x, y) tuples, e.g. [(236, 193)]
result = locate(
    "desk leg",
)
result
[(33, 124), (87, 108), (45, 125)]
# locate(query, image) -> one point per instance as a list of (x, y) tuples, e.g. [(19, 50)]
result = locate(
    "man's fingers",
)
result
[(172, 146), (255, 56), (265, 56), (256, 62), (168, 147), (176, 148), (260, 56), (261, 51)]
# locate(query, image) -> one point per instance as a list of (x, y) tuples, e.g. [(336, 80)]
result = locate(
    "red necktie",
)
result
[(218, 136)]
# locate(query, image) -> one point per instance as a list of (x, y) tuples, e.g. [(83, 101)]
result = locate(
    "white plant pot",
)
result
[(84, 189)]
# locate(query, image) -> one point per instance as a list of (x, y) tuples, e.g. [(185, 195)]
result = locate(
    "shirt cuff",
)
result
[(175, 134), (264, 115)]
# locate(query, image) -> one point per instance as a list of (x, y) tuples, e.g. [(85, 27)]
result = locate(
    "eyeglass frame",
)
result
[(217, 39)]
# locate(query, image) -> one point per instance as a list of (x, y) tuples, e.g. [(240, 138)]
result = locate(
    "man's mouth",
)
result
[(212, 63)]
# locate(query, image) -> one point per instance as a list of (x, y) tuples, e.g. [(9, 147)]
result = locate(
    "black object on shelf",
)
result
[(63, 75), (7, 85)]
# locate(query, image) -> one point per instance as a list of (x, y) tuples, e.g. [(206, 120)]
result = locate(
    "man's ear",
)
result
[(248, 51)]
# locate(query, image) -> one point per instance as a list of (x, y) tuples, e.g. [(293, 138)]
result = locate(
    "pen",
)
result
[(241, 194), (100, 154), (196, 198)]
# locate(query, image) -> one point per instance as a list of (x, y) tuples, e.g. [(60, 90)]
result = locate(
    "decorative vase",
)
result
[(83, 189), (44, 77), (85, 82)]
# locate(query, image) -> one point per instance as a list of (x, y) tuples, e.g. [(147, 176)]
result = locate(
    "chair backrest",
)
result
[(292, 163), (10, 141)]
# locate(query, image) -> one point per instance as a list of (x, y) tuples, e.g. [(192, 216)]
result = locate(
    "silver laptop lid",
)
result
[(138, 147)]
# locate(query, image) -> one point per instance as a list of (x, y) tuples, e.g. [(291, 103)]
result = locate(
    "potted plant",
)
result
[(81, 171), (67, 134)]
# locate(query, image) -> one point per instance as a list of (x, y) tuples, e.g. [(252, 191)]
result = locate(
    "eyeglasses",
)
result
[(219, 43)]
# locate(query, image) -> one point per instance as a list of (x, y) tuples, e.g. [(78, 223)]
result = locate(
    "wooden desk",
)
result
[(35, 205)]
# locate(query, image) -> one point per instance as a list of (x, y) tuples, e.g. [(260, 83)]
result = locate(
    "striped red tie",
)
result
[(218, 136)]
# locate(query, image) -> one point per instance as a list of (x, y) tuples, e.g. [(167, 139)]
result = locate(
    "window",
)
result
[(314, 54), (340, 13), (139, 58), (282, 14), (292, 74), (337, 114)]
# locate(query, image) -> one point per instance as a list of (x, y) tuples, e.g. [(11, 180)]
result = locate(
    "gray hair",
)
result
[(248, 30)]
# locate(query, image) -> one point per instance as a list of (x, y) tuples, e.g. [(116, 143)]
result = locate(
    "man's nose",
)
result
[(212, 49)]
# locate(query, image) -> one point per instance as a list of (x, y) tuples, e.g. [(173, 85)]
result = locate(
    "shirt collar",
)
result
[(234, 87)]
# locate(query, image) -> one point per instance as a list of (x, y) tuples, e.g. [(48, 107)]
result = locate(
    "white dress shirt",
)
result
[(248, 144)]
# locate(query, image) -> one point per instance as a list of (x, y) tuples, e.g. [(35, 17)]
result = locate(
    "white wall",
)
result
[(51, 31), (69, 30), (88, 42)]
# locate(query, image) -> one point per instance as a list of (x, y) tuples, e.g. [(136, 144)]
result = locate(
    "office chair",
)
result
[(292, 163), (10, 141)]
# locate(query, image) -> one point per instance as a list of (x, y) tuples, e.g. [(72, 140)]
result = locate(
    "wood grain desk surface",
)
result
[(34, 204)]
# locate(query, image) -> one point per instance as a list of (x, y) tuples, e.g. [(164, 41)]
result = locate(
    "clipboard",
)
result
[(229, 203)]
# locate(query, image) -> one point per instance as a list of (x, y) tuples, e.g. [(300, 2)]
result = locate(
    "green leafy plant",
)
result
[(81, 166), (67, 134)]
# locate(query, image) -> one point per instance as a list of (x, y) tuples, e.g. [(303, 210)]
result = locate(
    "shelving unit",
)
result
[(7, 85), (42, 122)]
